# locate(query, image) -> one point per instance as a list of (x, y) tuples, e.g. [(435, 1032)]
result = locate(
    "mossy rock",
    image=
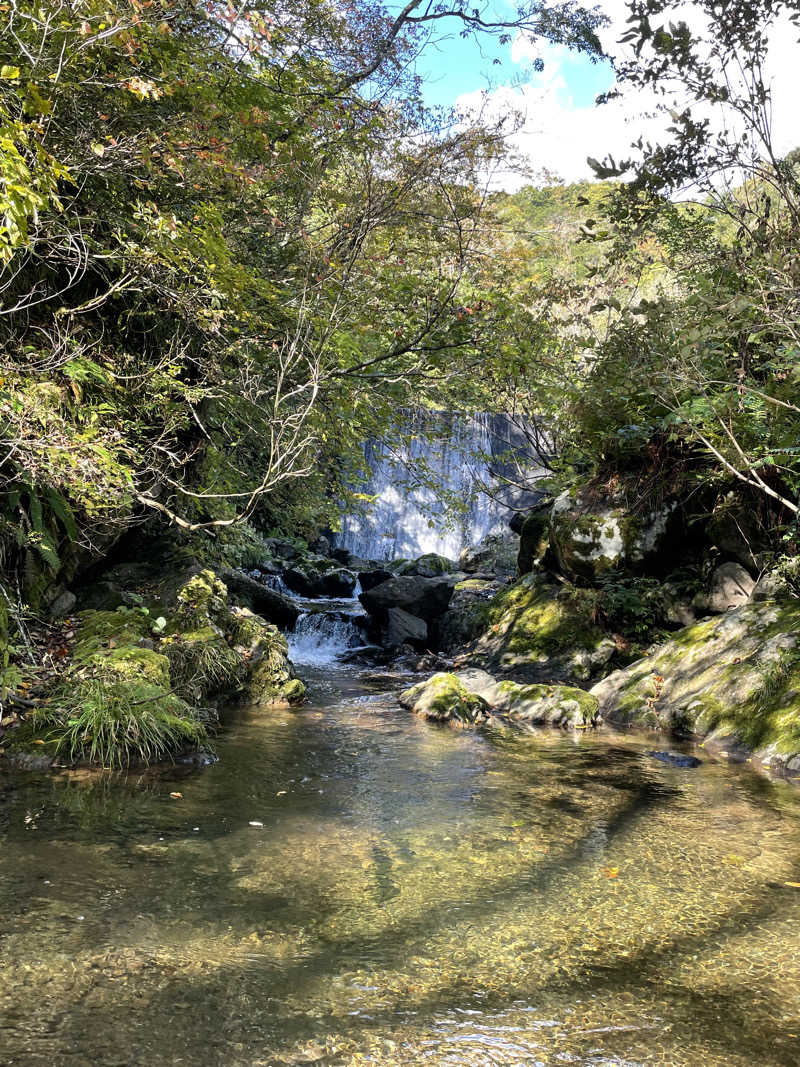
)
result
[(99, 631), (538, 630), (115, 704), (444, 698), (467, 614), (203, 596), (554, 705), (736, 676), (589, 540), (431, 565)]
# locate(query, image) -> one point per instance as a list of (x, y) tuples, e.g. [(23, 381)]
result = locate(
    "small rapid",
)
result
[(322, 638)]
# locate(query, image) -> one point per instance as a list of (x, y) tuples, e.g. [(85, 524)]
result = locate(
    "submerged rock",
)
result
[(676, 759)]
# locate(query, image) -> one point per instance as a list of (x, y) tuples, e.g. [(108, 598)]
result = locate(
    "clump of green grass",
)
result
[(116, 724)]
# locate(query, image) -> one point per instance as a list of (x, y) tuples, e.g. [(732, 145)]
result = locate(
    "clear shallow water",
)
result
[(414, 895)]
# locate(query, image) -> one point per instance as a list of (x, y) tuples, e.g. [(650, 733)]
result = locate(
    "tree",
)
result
[(711, 363), (233, 243)]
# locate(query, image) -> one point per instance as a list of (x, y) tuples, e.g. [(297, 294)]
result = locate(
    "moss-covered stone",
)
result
[(539, 630), (555, 705), (736, 677), (115, 704), (589, 540), (204, 597), (444, 698), (431, 565), (467, 614), (135, 691)]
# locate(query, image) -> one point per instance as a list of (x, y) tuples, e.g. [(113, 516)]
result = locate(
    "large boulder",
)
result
[(539, 631), (589, 538), (444, 698), (428, 566), (315, 579), (730, 587), (403, 628), (368, 579), (426, 598), (467, 614), (496, 554), (472, 696), (274, 606), (736, 676)]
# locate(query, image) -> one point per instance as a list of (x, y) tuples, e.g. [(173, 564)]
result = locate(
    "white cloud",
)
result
[(555, 132)]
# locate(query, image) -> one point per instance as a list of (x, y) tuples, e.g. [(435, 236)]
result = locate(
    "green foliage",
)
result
[(114, 723)]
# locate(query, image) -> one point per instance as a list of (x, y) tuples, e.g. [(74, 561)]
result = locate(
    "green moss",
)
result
[(442, 698), (103, 630), (532, 620), (203, 596), (736, 675), (130, 663), (203, 664), (557, 704)]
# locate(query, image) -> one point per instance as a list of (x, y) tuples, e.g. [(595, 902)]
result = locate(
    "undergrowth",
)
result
[(116, 724)]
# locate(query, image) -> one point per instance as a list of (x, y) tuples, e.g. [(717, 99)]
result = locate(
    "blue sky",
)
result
[(457, 66), (556, 123)]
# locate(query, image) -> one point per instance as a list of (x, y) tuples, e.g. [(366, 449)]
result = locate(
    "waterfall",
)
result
[(428, 493), (321, 638)]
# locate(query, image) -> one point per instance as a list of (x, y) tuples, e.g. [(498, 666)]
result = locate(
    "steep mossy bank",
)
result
[(541, 630), (734, 679), (144, 677)]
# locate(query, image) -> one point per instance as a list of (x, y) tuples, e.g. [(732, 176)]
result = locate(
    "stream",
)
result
[(350, 885)]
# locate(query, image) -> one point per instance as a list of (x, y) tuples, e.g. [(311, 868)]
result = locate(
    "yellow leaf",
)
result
[(9, 73), (793, 885), (98, 149), (610, 872)]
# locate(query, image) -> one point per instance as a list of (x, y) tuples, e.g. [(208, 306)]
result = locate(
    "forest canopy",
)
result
[(235, 243)]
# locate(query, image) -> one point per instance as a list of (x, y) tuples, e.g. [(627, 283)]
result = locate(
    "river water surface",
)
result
[(349, 885)]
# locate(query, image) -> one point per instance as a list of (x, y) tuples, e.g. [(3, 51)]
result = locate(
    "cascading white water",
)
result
[(321, 638), (416, 487)]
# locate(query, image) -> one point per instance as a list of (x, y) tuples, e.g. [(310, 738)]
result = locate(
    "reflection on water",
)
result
[(407, 895)]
